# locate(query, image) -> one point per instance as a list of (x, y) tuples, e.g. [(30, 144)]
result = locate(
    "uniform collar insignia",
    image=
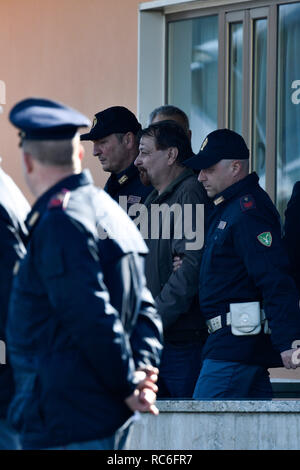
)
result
[(123, 179), (33, 219), (16, 267), (219, 200)]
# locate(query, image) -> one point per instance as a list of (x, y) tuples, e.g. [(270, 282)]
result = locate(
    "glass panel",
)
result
[(193, 73), (259, 98), (235, 76), (288, 103)]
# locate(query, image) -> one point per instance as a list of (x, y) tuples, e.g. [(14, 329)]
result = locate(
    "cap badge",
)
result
[(265, 238), (94, 122), (204, 144)]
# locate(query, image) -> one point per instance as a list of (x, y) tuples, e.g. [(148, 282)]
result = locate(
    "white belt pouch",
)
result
[(245, 318)]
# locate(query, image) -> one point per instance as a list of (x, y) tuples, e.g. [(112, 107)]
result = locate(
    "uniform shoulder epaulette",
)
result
[(60, 199), (247, 202)]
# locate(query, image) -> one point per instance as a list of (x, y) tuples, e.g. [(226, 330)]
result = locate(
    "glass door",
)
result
[(192, 83), (249, 87)]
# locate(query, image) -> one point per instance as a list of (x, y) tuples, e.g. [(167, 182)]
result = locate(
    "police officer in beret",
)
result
[(115, 137), (83, 335), (249, 301), (13, 210)]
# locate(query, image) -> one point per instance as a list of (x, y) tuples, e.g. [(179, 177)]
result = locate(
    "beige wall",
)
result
[(81, 52)]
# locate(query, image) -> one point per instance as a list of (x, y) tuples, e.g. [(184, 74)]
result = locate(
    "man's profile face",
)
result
[(110, 153), (217, 178), (151, 162)]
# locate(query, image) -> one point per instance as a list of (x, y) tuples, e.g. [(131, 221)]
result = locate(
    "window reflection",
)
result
[(259, 98), (235, 76), (288, 110), (193, 73)]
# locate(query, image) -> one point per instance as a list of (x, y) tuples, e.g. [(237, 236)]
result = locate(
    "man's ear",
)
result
[(81, 152), (129, 140), (28, 162), (172, 155), (236, 167)]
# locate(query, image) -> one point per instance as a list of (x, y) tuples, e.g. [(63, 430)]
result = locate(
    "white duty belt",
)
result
[(215, 323)]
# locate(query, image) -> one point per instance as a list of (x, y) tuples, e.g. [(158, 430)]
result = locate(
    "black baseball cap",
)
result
[(113, 120), (219, 145)]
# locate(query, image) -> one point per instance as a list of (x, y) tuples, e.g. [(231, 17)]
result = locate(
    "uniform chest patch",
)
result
[(133, 199), (247, 202), (222, 224), (265, 238)]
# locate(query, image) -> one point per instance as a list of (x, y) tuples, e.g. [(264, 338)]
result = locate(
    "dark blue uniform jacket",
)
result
[(81, 318), (244, 260)]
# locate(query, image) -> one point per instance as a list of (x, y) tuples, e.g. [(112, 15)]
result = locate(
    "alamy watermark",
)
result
[(296, 94), (163, 221), (296, 354), (2, 94)]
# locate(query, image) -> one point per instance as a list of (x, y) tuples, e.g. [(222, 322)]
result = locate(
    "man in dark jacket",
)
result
[(83, 334), (172, 225), (114, 136), (13, 211)]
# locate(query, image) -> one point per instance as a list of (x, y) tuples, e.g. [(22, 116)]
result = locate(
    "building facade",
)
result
[(229, 64)]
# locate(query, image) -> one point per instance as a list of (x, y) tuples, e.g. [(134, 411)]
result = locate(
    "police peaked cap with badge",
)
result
[(219, 145), (43, 119), (114, 120)]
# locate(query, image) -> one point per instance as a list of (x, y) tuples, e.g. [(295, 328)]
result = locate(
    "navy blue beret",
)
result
[(218, 145), (43, 119), (114, 120)]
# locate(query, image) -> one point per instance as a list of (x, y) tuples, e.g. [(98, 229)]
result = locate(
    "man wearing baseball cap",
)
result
[(114, 135), (249, 301)]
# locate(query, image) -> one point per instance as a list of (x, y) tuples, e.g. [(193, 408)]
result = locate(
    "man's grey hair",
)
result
[(53, 152), (170, 111), (121, 135)]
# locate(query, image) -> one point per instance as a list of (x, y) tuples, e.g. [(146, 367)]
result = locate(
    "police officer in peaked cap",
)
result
[(114, 134), (249, 301), (83, 334)]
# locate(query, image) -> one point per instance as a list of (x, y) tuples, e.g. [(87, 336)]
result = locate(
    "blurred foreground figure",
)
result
[(81, 320), (13, 211)]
